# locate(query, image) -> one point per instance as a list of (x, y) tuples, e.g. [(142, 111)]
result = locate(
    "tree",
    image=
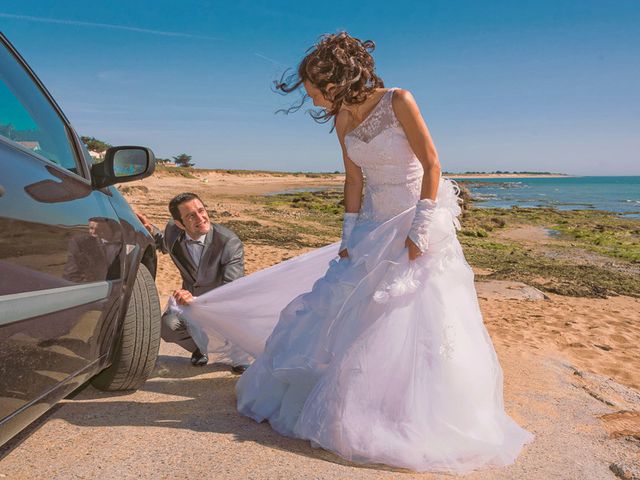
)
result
[(94, 144), (183, 160)]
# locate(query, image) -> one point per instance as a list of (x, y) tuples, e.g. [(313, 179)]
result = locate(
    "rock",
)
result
[(609, 392), (132, 189), (606, 348), (625, 471), (504, 289), (623, 423), (480, 272)]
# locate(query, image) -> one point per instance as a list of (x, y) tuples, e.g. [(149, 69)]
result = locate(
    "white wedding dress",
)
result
[(377, 358)]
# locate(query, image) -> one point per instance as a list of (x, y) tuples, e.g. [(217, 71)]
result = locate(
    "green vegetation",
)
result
[(284, 234), (186, 172), (94, 144), (591, 253), (597, 231), (586, 252), (183, 160), (296, 220), (273, 173), (328, 202), (614, 237), (511, 261)]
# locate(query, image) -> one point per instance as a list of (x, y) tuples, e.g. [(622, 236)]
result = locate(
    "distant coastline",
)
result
[(614, 194), (506, 175), (278, 173)]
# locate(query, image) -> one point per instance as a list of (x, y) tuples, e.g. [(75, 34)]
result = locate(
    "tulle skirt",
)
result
[(377, 358)]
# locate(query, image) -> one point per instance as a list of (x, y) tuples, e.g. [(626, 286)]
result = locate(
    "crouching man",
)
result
[(207, 256)]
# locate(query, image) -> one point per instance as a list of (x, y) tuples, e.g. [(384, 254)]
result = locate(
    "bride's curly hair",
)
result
[(338, 59)]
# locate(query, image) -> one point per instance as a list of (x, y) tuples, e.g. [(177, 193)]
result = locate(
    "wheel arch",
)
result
[(150, 260)]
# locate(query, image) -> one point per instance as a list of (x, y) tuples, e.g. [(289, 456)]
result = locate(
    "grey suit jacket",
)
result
[(222, 258)]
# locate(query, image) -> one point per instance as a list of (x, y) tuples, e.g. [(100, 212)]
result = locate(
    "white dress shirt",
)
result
[(195, 249)]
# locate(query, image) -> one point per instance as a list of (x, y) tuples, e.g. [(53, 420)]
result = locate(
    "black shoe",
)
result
[(199, 359), (239, 369)]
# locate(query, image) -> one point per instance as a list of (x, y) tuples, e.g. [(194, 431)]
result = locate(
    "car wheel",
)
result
[(137, 348)]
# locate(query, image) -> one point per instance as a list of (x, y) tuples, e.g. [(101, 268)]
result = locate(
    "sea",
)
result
[(615, 194)]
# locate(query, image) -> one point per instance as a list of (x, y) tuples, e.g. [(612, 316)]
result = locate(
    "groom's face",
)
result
[(194, 218)]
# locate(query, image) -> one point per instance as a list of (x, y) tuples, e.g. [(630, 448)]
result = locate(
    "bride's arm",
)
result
[(415, 128), (353, 179)]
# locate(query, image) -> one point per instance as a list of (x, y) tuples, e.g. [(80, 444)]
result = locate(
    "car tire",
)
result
[(137, 348)]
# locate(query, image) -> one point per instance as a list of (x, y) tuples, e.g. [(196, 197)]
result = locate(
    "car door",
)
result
[(60, 245)]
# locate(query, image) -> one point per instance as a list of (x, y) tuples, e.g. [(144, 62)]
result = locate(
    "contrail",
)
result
[(29, 18), (271, 60)]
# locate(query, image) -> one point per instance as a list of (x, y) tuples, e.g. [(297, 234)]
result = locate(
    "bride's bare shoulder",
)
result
[(404, 104), (344, 120), (402, 97)]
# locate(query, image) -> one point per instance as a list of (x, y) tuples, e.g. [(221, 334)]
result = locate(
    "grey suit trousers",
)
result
[(174, 330)]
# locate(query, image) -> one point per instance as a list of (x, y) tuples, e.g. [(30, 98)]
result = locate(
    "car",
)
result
[(78, 301)]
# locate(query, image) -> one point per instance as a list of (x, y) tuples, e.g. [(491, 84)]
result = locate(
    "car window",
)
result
[(28, 118)]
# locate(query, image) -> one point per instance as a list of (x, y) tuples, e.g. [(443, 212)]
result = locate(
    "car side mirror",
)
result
[(123, 164)]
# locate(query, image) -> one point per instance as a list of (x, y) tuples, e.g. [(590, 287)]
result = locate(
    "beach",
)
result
[(560, 296)]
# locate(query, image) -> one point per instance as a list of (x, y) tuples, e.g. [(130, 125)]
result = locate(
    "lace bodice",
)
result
[(393, 174)]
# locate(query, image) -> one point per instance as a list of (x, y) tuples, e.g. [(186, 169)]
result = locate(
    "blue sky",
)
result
[(503, 85)]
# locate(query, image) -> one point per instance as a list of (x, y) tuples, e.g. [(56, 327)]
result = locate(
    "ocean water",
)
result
[(615, 194)]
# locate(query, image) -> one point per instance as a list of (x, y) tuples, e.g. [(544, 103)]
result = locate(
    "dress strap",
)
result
[(389, 99)]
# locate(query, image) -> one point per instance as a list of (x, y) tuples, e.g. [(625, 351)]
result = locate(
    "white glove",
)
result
[(418, 233), (348, 225)]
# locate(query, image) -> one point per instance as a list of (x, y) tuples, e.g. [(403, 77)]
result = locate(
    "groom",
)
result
[(207, 256)]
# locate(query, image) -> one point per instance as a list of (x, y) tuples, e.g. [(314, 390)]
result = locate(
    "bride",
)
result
[(383, 357)]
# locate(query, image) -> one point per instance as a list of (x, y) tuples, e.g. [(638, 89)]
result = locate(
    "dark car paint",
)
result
[(45, 212)]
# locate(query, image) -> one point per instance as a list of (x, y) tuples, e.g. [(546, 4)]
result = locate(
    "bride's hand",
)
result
[(343, 253), (414, 251)]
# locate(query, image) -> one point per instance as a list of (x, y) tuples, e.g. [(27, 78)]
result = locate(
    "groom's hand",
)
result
[(144, 220), (183, 297), (343, 253)]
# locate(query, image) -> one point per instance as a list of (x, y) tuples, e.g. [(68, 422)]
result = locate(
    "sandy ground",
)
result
[(220, 183), (571, 376)]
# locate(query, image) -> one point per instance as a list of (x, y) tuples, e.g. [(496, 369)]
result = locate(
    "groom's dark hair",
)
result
[(179, 199)]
